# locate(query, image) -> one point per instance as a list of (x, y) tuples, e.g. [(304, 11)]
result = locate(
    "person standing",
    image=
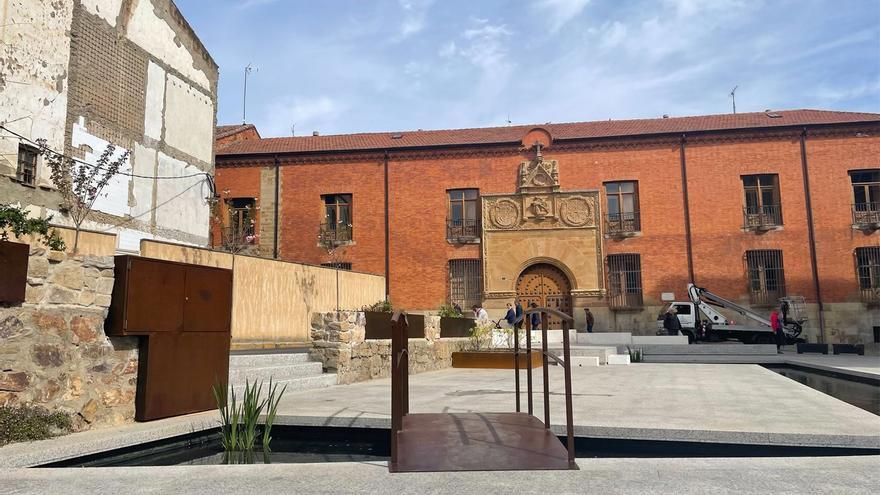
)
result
[(480, 314), (536, 318), (590, 320), (510, 317), (519, 313), (776, 325), (670, 322)]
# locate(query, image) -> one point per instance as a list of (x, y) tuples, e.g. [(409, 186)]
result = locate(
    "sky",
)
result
[(344, 66)]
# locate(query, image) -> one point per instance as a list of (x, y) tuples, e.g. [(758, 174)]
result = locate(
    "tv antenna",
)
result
[(293, 129), (733, 97), (508, 119), (247, 70)]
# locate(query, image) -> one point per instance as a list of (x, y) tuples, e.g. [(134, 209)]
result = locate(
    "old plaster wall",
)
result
[(53, 349), (127, 72)]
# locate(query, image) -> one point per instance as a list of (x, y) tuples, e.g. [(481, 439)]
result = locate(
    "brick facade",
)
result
[(418, 180)]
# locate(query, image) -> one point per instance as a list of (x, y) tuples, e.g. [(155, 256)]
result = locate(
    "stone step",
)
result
[(277, 373), (262, 360), (295, 384), (715, 359), (710, 349), (601, 352)]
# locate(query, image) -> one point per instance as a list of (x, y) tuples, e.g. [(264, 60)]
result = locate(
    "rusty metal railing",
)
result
[(565, 362)]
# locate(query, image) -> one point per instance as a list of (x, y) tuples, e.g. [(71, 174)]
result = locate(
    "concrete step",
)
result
[(710, 349), (295, 384), (601, 352), (256, 360), (277, 373), (718, 359)]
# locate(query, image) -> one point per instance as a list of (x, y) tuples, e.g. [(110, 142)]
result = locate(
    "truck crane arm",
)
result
[(703, 298)]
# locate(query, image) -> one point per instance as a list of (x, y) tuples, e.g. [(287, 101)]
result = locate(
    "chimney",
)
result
[(316, 133)]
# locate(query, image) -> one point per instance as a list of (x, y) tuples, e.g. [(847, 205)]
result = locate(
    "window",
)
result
[(462, 220), (766, 276), (868, 273), (624, 281), (466, 282), (341, 265), (866, 197), (27, 164), (623, 208), (683, 309), (337, 225), (242, 222), (762, 204)]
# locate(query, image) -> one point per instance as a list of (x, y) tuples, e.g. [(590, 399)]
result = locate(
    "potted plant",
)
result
[(378, 322), (492, 347), (14, 255), (453, 323)]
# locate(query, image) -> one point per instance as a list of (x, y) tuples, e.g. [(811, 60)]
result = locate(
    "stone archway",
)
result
[(547, 286)]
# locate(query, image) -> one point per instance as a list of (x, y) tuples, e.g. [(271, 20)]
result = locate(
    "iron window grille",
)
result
[(242, 222), (763, 207), (27, 164), (624, 281), (466, 282), (337, 226), (766, 276), (866, 198), (341, 265), (463, 219), (622, 199), (868, 273)]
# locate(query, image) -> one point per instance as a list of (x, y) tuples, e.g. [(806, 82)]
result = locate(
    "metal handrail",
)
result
[(762, 216), (865, 213), (565, 362), (462, 229)]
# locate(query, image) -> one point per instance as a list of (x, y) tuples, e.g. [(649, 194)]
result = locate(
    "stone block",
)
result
[(584, 361), (34, 294), (48, 355), (38, 267), (69, 275), (56, 256), (89, 411), (61, 295), (101, 262), (86, 328), (46, 321), (14, 382), (618, 359), (105, 286), (11, 326), (86, 298), (102, 300)]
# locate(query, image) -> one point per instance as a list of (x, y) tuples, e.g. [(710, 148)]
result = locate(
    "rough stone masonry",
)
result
[(53, 349)]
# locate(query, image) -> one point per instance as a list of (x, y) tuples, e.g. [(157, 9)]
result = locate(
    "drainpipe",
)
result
[(277, 190), (387, 232), (687, 212), (811, 235)]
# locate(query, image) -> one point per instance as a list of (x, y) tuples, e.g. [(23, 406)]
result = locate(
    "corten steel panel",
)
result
[(502, 359), (378, 326), (155, 297), (180, 371), (208, 291), (13, 271), (478, 442)]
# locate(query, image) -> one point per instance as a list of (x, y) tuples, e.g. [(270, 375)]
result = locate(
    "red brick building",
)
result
[(614, 215)]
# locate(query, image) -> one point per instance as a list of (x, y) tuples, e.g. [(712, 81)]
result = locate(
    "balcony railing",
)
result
[(239, 237), (622, 223), (462, 229), (335, 233), (762, 217), (866, 215)]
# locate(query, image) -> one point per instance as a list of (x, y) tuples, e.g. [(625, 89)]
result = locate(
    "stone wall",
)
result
[(53, 350), (338, 342)]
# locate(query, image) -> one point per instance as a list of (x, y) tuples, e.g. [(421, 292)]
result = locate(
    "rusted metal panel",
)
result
[(208, 291), (494, 359), (155, 297), (379, 326), (13, 271)]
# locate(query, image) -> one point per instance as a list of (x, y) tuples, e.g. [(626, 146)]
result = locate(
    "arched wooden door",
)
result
[(547, 286)]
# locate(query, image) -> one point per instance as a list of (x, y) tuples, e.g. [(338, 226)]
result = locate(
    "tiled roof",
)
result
[(223, 131), (514, 134)]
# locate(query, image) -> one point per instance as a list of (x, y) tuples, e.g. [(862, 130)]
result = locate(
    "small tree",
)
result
[(335, 249), (14, 219), (80, 184)]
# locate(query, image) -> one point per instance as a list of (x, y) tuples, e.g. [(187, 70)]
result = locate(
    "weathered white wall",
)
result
[(181, 204), (113, 198), (155, 108), (105, 9), (189, 119), (34, 49)]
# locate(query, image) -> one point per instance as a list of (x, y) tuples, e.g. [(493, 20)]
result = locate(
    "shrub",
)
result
[(29, 423), (481, 336), (15, 219), (380, 307), (447, 311), (635, 354)]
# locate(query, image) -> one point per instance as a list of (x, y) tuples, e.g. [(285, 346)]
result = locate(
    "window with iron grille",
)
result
[(868, 273), (463, 219), (624, 281), (866, 196), (766, 276), (337, 225), (466, 282), (622, 199), (27, 164), (763, 206), (242, 221), (342, 265)]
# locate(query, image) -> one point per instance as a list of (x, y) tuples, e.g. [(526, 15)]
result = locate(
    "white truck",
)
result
[(701, 321)]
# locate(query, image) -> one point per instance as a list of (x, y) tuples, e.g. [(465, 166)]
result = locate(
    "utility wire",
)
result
[(92, 165)]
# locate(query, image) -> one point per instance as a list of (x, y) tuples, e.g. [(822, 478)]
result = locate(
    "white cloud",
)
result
[(414, 17), (486, 47), (559, 12), (447, 50)]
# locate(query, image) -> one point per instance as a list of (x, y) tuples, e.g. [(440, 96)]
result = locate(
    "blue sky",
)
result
[(339, 66)]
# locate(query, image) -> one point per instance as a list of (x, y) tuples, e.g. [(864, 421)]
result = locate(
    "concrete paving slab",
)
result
[(851, 475)]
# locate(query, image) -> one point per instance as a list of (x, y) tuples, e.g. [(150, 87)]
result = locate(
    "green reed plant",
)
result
[(251, 408), (229, 416), (271, 410), (240, 421)]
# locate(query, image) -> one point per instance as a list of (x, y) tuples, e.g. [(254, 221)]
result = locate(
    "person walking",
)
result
[(519, 313), (590, 320), (510, 317), (536, 318), (776, 325), (480, 314), (670, 322)]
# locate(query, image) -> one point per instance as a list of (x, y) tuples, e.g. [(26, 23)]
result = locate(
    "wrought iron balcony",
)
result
[(335, 233), (239, 237), (762, 217), (462, 229), (866, 215), (623, 223)]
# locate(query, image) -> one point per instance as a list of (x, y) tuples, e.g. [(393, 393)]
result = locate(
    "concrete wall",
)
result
[(131, 73)]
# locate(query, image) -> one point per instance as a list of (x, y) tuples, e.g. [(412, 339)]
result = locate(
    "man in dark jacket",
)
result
[(590, 320), (670, 322), (536, 318), (511, 315), (519, 313)]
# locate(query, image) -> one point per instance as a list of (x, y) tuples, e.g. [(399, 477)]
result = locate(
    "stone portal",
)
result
[(547, 287)]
